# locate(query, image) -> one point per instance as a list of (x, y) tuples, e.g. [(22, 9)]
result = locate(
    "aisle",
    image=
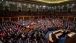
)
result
[(46, 36), (29, 28), (62, 39)]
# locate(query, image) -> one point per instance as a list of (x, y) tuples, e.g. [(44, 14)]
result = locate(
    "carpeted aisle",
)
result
[(62, 39), (46, 36)]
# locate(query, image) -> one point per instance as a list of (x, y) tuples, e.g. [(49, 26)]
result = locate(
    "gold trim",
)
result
[(52, 2)]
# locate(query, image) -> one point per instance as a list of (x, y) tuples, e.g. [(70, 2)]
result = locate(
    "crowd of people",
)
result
[(12, 31)]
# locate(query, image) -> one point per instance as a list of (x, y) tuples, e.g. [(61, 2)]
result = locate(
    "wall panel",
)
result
[(20, 18), (14, 19), (71, 18), (5, 19), (26, 18)]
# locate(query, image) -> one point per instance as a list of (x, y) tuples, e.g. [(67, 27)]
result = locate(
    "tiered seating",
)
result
[(7, 13), (22, 32)]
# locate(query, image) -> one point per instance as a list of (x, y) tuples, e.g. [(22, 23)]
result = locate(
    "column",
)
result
[(18, 18), (33, 17), (45, 16), (38, 17), (23, 18), (74, 19), (63, 17), (67, 18), (58, 17), (10, 18)]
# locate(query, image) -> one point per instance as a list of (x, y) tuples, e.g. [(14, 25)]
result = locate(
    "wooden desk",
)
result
[(57, 36), (29, 28)]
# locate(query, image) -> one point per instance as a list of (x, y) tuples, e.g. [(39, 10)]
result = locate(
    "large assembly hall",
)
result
[(37, 21)]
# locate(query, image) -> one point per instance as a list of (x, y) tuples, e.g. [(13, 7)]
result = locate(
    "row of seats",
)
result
[(12, 31)]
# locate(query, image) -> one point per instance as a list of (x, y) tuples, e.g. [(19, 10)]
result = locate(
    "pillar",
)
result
[(23, 18), (63, 17), (18, 18), (10, 18)]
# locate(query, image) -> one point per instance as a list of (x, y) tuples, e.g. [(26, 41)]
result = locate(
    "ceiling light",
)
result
[(52, 1), (10, 2), (33, 5), (24, 4), (13, 3), (73, 4), (40, 6), (17, 2), (67, 5), (2, 0), (44, 6)]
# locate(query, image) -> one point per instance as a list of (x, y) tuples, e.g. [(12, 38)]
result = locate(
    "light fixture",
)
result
[(19, 5), (2, 0), (37, 6), (58, 6), (62, 5), (6, 4), (40, 6), (44, 6), (73, 4), (55, 7), (33, 5), (13, 3), (67, 5), (10, 2), (50, 7), (24, 4), (52, 1), (17, 2), (29, 6)]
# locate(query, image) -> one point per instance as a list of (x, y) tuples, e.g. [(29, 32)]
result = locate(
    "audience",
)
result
[(12, 31)]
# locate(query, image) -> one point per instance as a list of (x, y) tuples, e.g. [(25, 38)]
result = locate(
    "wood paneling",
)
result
[(31, 17), (60, 17), (5, 19), (71, 18), (26, 18), (14, 19), (20, 18), (65, 18), (35, 17), (43, 17)]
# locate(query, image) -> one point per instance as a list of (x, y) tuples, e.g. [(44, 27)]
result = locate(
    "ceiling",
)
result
[(52, 1)]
